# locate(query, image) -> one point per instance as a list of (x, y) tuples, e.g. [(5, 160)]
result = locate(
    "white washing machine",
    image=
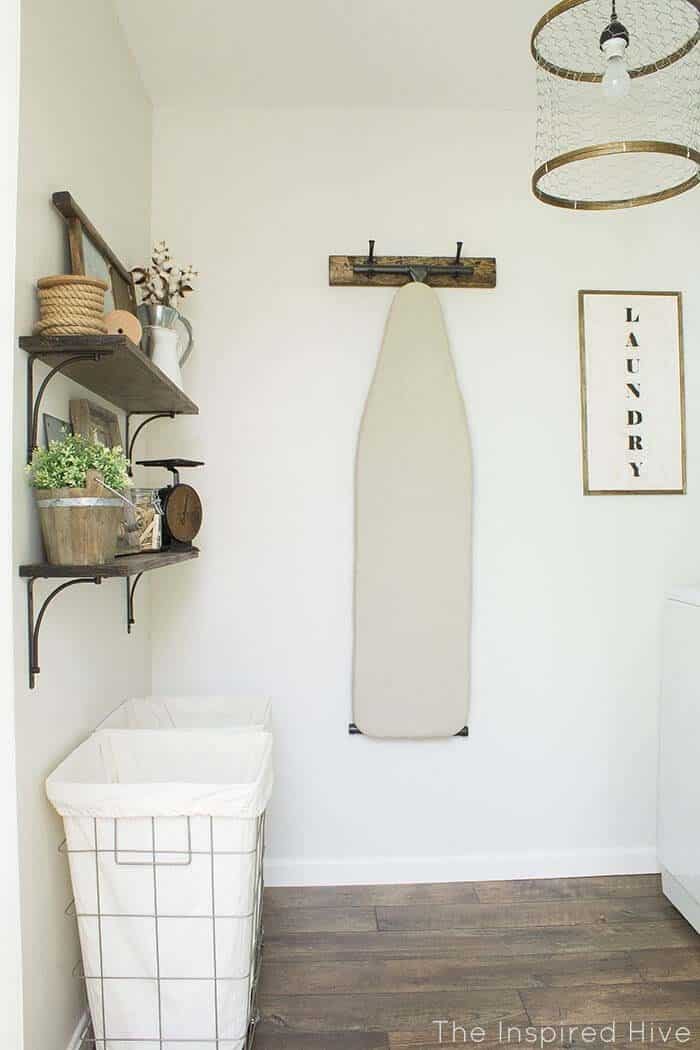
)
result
[(679, 770)]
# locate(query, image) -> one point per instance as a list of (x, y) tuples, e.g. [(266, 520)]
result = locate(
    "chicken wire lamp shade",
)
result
[(618, 102)]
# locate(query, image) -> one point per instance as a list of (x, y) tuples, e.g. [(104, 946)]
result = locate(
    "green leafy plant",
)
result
[(64, 464)]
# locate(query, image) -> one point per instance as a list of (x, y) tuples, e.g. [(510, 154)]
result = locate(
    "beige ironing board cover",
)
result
[(413, 546)]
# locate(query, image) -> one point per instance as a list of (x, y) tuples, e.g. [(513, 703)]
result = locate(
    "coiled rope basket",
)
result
[(70, 304)]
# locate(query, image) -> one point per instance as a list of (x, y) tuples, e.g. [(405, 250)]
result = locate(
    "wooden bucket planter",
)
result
[(79, 526)]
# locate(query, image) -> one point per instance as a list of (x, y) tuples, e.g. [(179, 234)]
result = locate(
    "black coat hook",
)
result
[(418, 268)]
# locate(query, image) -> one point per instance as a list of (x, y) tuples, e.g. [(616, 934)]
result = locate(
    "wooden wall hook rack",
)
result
[(393, 271)]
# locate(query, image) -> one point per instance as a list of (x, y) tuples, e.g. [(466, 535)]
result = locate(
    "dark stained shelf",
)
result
[(123, 375), (112, 367), (130, 568), (128, 565)]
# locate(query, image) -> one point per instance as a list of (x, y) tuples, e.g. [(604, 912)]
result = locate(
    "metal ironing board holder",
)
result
[(415, 271), (392, 271)]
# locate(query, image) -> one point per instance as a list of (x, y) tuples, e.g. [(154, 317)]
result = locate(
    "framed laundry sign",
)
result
[(632, 393)]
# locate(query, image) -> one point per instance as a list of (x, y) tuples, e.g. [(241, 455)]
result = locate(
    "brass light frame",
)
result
[(597, 78), (611, 148)]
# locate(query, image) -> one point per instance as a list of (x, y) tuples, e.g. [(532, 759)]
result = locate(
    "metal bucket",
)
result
[(77, 526), (153, 316)]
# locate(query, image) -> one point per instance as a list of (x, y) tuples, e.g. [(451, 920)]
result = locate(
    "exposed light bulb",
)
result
[(614, 42), (616, 82)]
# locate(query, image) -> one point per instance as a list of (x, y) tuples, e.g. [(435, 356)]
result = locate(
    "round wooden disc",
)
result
[(71, 278), (122, 322), (183, 513)]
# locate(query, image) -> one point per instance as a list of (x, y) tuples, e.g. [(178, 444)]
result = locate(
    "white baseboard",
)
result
[(77, 1037), (680, 898), (498, 867)]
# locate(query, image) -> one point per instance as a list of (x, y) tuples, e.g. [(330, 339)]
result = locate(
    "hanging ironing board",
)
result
[(413, 548)]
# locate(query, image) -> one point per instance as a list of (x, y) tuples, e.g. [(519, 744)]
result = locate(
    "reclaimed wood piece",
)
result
[(544, 913), (341, 273), (476, 944), (318, 1013), (124, 376), (602, 1004), (95, 422), (567, 889), (79, 226), (405, 975), (129, 565)]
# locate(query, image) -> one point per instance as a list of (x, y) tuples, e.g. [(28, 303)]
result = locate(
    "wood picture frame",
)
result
[(91, 256), (92, 421), (55, 429), (632, 393)]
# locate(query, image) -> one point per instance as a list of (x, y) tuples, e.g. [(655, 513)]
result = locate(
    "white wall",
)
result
[(558, 776), (85, 127), (10, 945)]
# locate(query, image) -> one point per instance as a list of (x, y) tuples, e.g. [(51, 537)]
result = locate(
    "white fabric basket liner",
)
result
[(161, 773), (163, 835), (166, 911), (191, 712)]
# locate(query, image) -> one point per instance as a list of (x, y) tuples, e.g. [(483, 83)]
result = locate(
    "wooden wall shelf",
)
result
[(393, 271), (123, 375), (131, 565), (114, 368), (128, 565), (108, 365)]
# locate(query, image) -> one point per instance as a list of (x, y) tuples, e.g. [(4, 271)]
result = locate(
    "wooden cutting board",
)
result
[(413, 544)]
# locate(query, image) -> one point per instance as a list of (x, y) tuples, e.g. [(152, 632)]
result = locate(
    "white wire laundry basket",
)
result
[(168, 902), (232, 713)]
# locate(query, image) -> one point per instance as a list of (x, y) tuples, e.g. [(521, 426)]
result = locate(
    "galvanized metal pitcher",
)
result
[(161, 339)]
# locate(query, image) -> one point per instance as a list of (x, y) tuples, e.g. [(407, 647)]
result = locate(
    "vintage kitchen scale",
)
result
[(182, 507)]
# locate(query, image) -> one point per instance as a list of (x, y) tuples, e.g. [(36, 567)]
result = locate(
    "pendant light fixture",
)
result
[(618, 95), (614, 42)]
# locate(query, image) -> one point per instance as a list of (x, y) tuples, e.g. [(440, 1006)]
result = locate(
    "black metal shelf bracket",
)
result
[(355, 731), (130, 588), (34, 403), (131, 439), (130, 569), (34, 626)]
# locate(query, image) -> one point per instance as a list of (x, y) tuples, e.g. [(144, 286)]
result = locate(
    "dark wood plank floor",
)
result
[(372, 968)]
